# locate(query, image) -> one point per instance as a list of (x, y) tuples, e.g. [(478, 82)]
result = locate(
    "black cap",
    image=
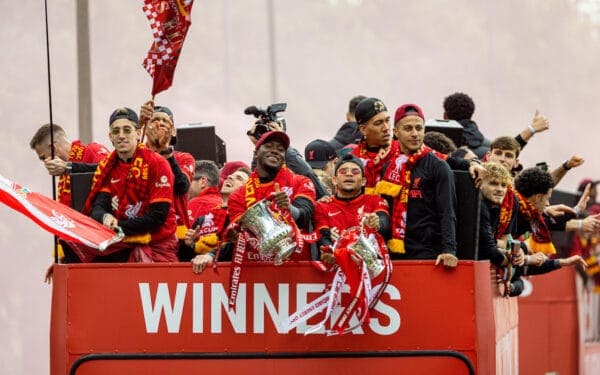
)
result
[(126, 113), (368, 108), (318, 152), (349, 158), (166, 110)]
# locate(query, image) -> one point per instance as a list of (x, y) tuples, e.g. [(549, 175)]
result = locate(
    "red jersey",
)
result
[(373, 162), (340, 214), (201, 205), (187, 164), (79, 153), (133, 186), (294, 185), (253, 191)]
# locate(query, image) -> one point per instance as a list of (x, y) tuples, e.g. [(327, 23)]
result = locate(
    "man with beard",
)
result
[(376, 148), (349, 207), (289, 192), (420, 189)]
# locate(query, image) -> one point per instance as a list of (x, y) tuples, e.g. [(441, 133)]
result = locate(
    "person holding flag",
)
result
[(132, 191), (161, 135), (169, 21)]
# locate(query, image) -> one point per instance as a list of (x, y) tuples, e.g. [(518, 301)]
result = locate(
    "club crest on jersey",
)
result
[(133, 209)]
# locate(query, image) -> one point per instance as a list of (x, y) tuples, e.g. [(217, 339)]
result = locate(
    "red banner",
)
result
[(54, 216), (166, 308), (169, 20)]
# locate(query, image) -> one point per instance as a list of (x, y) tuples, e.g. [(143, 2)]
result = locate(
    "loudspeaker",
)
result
[(467, 216), (563, 240), (200, 140), (81, 184), (450, 128)]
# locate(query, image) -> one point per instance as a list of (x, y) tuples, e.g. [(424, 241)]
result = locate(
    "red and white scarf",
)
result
[(540, 240), (396, 184), (364, 290)]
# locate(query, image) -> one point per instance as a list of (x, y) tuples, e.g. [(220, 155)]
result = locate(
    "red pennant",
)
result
[(169, 20), (54, 216)]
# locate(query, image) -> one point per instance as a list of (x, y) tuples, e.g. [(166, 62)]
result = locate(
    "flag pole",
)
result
[(51, 119), (144, 126)]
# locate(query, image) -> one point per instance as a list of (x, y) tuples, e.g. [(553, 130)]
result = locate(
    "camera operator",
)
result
[(293, 159)]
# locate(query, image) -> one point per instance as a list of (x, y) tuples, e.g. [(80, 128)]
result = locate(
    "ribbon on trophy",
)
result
[(363, 263)]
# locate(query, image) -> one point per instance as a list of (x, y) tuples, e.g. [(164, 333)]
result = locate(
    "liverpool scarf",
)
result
[(540, 240), (396, 184)]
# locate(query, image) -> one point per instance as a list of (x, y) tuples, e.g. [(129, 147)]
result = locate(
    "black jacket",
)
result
[(346, 134), (431, 218), (473, 138)]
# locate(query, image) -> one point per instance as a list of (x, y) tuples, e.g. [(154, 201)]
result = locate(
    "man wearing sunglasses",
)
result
[(132, 190), (349, 207)]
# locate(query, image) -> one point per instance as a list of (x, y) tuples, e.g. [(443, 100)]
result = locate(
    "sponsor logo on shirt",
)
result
[(164, 182)]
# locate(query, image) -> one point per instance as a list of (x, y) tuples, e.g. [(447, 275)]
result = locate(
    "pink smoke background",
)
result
[(512, 57)]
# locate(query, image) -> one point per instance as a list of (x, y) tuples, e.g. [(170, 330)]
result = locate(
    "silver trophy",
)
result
[(275, 237), (367, 248)]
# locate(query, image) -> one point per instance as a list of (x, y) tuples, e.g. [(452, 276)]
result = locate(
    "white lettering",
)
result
[(220, 301), (197, 308), (302, 291), (392, 314), (263, 299), (162, 302), (277, 308)]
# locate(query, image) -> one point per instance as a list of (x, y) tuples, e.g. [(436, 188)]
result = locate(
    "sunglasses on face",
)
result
[(125, 130), (354, 171)]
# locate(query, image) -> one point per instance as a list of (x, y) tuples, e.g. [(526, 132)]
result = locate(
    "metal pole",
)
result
[(84, 80), (272, 50), (51, 120)]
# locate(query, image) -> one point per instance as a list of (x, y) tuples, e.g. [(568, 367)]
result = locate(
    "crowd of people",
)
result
[(381, 171)]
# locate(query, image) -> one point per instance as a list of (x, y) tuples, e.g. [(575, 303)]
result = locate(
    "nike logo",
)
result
[(333, 213), (114, 180)]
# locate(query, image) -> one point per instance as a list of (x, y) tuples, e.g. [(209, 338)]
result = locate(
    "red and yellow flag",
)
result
[(169, 20)]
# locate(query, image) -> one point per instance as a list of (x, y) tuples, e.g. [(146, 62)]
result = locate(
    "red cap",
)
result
[(273, 136), (229, 168), (408, 110), (585, 182), (594, 209)]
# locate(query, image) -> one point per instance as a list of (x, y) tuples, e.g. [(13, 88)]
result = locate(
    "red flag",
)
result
[(169, 20), (55, 217)]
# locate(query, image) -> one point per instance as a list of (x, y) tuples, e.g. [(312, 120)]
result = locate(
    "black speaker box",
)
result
[(467, 216), (200, 140), (562, 240), (450, 128), (81, 184)]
